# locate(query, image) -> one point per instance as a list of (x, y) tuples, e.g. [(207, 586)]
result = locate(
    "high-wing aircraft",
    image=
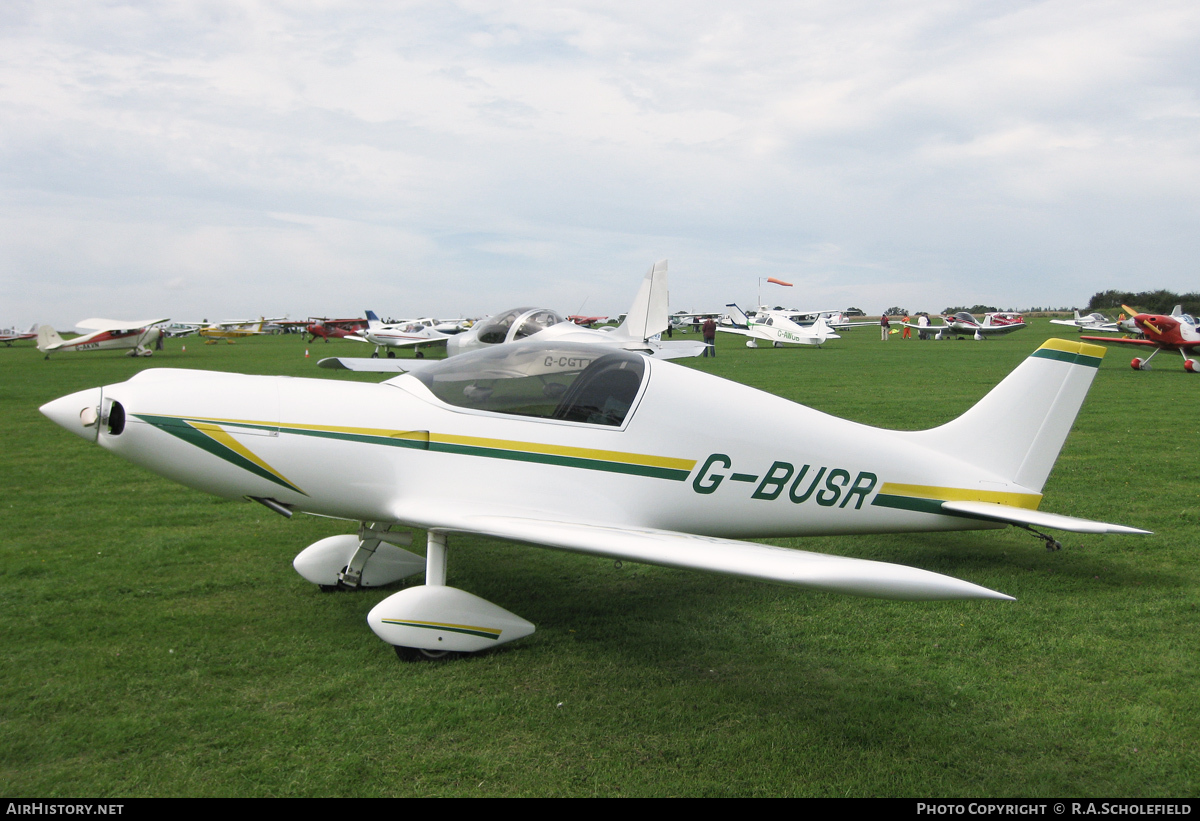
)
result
[(412, 333), (11, 335), (234, 329), (586, 321), (964, 324), (585, 449), (639, 331), (137, 336), (775, 327), (335, 328), (1176, 332)]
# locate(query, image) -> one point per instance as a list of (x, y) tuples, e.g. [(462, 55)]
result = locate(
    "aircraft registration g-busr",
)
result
[(595, 451)]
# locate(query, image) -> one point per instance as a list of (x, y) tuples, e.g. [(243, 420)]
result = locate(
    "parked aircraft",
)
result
[(1095, 322), (586, 321), (964, 324), (11, 335), (335, 328), (583, 448), (232, 329), (775, 327), (639, 330), (1176, 332), (413, 333), (137, 336)]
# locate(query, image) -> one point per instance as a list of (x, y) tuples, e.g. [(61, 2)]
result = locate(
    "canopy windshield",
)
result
[(575, 383)]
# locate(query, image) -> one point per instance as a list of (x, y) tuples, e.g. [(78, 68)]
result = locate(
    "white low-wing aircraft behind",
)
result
[(646, 320), (586, 449), (414, 333), (777, 328)]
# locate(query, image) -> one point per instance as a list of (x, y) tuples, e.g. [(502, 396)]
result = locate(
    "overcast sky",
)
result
[(229, 159)]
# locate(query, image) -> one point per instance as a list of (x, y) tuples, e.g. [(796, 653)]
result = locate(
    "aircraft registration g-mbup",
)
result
[(586, 449)]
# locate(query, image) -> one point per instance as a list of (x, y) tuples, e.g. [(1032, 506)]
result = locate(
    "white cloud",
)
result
[(462, 157)]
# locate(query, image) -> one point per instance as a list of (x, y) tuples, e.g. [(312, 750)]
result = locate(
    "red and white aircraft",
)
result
[(335, 328), (964, 324), (1176, 332), (106, 334), (11, 335)]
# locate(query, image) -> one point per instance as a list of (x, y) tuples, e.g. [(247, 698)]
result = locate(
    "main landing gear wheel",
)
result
[(375, 355), (421, 654), (391, 354)]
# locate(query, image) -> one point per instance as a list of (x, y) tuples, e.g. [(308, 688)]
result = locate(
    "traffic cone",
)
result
[(306, 353), (185, 349)]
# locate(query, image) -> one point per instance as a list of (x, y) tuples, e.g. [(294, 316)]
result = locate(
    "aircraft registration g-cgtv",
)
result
[(586, 449)]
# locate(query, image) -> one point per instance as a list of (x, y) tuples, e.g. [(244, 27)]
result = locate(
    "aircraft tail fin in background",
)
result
[(647, 316), (47, 338), (372, 320), (1019, 428), (738, 316)]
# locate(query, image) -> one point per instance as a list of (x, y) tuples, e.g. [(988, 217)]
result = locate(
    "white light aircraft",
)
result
[(583, 448), (409, 334), (777, 328), (11, 335), (1094, 322), (639, 331), (137, 336)]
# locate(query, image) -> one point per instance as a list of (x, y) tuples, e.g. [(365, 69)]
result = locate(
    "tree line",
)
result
[(1155, 302)]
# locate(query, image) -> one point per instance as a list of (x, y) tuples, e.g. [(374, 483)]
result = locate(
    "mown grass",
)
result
[(157, 641)]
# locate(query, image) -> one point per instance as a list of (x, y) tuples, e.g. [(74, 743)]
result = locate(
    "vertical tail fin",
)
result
[(1019, 428), (372, 320), (738, 316), (648, 314), (48, 338)]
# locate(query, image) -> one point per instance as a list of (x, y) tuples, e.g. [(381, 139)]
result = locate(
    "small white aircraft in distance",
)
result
[(639, 331), (776, 327), (137, 336), (11, 335), (964, 324), (413, 333), (584, 448), (1091, 322)]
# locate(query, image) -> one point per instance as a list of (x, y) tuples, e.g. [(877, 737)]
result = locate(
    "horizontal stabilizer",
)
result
[(364, 365), (1035, 518), (679, 350), (747, 560)]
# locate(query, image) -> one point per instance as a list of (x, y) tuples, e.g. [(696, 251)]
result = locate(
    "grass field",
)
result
[(158, 643)]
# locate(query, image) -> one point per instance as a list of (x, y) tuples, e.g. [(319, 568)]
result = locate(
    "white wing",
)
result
[(97, 324), (748, 560)]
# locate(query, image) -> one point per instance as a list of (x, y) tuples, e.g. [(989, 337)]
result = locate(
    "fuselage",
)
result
[(693, 453)]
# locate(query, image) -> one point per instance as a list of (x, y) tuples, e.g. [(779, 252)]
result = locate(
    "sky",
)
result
[(203, 159)]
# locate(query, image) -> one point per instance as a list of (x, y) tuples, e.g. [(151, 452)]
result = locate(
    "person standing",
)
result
[(884, 327), (710, 337), (907, 332)]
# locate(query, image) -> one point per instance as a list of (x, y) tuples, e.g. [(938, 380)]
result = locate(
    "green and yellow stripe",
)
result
[(213, 436), (1077, 353), (929, 498)]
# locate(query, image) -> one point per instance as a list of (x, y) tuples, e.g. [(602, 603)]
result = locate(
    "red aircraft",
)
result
[(1176, 332), (586, 321), (336, 328)]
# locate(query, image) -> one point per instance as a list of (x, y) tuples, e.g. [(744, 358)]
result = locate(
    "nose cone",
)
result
[(78, 412)]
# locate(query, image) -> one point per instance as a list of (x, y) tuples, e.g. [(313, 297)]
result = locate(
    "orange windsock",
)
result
[(779, 281)]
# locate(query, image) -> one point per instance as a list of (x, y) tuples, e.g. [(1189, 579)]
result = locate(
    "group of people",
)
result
[(885, 327)]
